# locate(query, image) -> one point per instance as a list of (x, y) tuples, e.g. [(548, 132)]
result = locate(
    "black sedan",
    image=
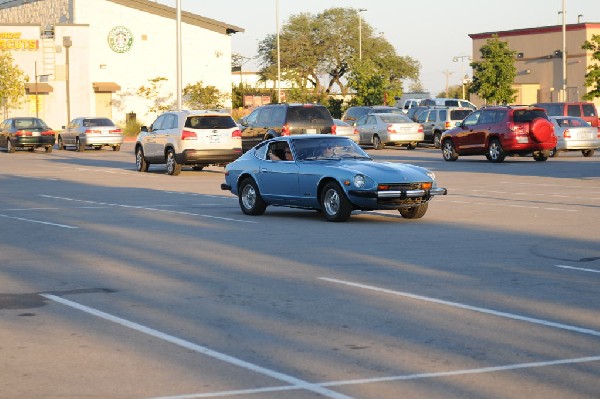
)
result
[(26, 132)]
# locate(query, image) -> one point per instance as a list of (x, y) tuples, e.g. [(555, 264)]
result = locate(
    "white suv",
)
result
[(195, 138)]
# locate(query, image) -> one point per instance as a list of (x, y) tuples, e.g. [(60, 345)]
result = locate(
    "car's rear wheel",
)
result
[(588, 153), (173, 168), (117, 147), (495, 151), (377, 144), (140, 162), (334, 203), (541, 156), (411, 146), (250, 200), (60, 145), (448, 151), (78, 146), (553, 153), (98, 148), (415, 212), (49, 149), (9, 147)]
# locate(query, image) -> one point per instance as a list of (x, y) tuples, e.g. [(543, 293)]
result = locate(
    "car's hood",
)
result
[(380, 171)]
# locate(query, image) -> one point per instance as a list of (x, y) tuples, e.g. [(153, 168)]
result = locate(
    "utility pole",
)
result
[(447, 72)]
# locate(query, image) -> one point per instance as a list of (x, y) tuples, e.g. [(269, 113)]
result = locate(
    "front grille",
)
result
[(402, 186)]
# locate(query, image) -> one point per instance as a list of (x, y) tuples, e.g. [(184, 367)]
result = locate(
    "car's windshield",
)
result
[(329, 148)]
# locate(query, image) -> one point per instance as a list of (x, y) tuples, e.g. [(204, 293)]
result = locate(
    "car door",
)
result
[(466, 139), (252, 134), (149, 138), (71, 131), (170, 134), (278, 179), (427, 120), (363, 137), (4, 133)]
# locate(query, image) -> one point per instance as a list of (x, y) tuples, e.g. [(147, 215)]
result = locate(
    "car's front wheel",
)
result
[(140, 162), (334, 203), (437, 140), (495, 152), (588, 153), (250, 200), (415, 212), (541, 156), (49, 148), (60, 145), (117, 147), (173, 168), (448, 151), (377, 144)]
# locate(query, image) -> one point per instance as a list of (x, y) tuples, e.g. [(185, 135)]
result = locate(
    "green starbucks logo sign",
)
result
[(120, 39)]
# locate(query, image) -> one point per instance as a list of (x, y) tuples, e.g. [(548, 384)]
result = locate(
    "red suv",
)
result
[(500, 131)]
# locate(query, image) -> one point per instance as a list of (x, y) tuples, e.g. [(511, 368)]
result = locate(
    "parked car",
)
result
[(583, 110), (330, 174), (95, 132), (192, 138), (437, 120), (574, 134), (413, 113), (26, 132), (277, 120), (378, 130), (410, 103), (448, 102), (500, 131), (344, 129), (353, 114)]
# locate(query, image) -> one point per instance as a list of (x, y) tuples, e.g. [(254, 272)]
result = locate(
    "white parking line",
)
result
[(578, 268), (148, 209), (509, 205), (40, 222), (295, 382), (467, 307)]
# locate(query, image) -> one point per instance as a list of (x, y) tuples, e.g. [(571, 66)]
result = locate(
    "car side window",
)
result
[(171, 121), (432, 116), (278, 116), (573, 110), (261, 151), (487, 116), (361, 121), (264, 117), (443, 114), (472, 119), (371, 120), (423, 116), (589, 110), (158, 123), (251, 119)]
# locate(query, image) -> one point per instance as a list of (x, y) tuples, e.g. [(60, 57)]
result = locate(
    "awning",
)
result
[(43, 88), (105, 87)]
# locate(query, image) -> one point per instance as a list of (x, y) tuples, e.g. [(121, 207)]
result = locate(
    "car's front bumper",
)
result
[(393, 199), (399, 193)]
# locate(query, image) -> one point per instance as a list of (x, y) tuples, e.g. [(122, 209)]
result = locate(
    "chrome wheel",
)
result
[(448, 151), (495, 151), (250, 200), (173, 168), (140, 162), (335, 204)]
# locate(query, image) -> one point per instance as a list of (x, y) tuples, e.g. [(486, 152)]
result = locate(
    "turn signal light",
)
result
[(383, 187), (426, 186)]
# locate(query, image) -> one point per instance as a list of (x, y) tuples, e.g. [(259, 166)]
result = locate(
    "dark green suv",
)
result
[(277, 120)]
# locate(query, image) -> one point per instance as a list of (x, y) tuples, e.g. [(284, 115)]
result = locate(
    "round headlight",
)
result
[(359, 181)]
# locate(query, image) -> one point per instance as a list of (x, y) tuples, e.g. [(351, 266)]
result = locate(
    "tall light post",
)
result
[(67, 43), (278, 53), (564, 51), (178, 55), (360, 32), (462, 70)]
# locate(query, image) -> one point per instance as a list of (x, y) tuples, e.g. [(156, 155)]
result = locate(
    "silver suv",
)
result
[(194, 138), (437, 120)]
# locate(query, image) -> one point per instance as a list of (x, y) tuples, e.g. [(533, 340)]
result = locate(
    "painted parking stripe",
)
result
[(149, 209), (578, 268), (509, 205), (295, 382), (467, 307), (65, 226)]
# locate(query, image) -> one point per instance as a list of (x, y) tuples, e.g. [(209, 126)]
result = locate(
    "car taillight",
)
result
[(567, 134), (285, 130), (236, 134), (115, 131), (448, 125), (333, 129), (356, 131), (92, 131), (187, 135), (420, 128), (22, 133), (48, 133), (515, 128), (391, 129)]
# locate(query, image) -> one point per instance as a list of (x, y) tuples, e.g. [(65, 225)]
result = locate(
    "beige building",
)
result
[(539, 61), (91, 56)]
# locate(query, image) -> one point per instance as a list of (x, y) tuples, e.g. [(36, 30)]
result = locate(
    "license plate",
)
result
[(214, 139), (311, 131)]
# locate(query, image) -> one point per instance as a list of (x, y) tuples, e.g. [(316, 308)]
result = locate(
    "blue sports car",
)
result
[(327, 173)]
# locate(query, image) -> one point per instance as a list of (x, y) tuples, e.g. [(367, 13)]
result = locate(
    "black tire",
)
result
[(97, 148), (377, 144), (9, 147), (49, 149), (541, 156), (140, 162), (60, 145), (416, 212), (553, 153), (335, 205), (495, 151), (117, 147), (78, 146), (173, 168), (437, 139), (197, 167), (411, 146), (448, 151), (588, 153), (249, 198)]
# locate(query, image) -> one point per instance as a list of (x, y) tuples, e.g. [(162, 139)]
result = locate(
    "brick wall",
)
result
[(46, 12)]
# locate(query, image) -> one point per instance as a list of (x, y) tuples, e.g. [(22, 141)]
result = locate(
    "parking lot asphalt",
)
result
[(120, 284)]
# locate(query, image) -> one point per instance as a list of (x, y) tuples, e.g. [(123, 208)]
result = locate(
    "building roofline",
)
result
[(536, 31), (186, 17)]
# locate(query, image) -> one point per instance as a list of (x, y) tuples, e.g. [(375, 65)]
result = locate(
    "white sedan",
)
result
[(574, 134)]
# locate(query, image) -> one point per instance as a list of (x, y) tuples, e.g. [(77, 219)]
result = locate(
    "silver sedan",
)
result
[(575, 134), (95, 132), (378, 130), (344, 129)]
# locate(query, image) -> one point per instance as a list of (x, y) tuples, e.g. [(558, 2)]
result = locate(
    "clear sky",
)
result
[(431, 31)]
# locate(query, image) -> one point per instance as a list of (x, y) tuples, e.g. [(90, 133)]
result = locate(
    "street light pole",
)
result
[(564, 51), (360, 32), (36, 92), (178, 51), (462, 70), (67, 43), (278, 54)]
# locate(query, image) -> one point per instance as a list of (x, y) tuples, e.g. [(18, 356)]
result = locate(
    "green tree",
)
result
[(592, 78), (158, 103), (12, 83), (494, 74), (198, 96), (326, 44), (368, 83)]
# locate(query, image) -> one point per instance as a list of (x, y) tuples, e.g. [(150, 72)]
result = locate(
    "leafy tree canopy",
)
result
[(198, 96), (12, 82), (494, 74), (592, 78)]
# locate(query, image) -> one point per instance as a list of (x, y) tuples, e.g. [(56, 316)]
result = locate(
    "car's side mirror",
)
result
[(144, 129), (243, 122)]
